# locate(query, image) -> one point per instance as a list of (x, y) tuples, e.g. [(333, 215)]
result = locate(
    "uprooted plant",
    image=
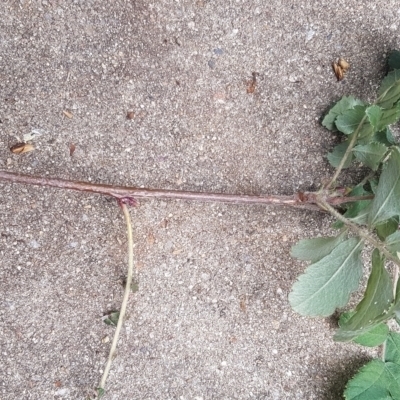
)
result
[(367, 215)]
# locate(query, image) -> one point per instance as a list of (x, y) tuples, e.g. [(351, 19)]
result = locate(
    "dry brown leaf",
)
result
[(130, 115), (72, 148), (343, 64), (337, 69), (21, 148), (340, 68), (68, 114)]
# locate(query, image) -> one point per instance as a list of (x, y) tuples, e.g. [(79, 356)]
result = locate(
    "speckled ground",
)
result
[(211, 319)]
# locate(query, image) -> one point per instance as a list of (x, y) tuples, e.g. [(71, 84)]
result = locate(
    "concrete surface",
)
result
[(211, 319)]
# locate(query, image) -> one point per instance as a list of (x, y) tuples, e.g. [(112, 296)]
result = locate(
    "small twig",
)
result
[(125, 298), (300, 200)]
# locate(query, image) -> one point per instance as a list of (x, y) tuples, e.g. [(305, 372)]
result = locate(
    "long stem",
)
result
[(125, 298), (304, 200)]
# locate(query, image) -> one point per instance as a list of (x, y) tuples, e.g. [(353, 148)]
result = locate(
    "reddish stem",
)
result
[(129, 194)]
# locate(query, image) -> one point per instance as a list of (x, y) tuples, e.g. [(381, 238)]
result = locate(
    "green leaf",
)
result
[(112, 318), (389, 117), (355, 211), (370, 154), (374, 114), (328, 283), (386, 202), (387, 228), (376, 302), (392, 351), (384, 136), (393, 372), (315, 249), (344, 104), (394, 60), (350, 120), (389, 92), (370, 383), (393, 242), (374, 337), (335, 157)]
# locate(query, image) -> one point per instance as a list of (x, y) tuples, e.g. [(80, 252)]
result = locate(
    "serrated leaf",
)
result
[(376, 302), (370, 383), (394, 60), (370, 154), (316, 248), (389, 117), (389, 91), (387, 228), (350, 120), (393, 242), (374, 114), (392, 351), (374, 337), (328, 283), (335, 157), (345, 103), (386, 202), (384, 136)]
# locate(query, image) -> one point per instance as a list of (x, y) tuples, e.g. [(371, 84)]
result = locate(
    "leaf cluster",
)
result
[(336, 265)]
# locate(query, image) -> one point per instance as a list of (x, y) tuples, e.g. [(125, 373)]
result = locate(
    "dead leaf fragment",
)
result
[(343, 64), (251, 87), (68, 114), (21, 148), (130, 115), (340, 68), (72, 148)]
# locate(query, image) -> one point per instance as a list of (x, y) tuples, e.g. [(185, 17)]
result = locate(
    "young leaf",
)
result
[(370, 383), (315, 249), (394, 60), (370, 154), (112, 318), (344, 104), (386, 202), (377, 300), (389, 92), (338, 153), (350, 120), (328, 283)]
